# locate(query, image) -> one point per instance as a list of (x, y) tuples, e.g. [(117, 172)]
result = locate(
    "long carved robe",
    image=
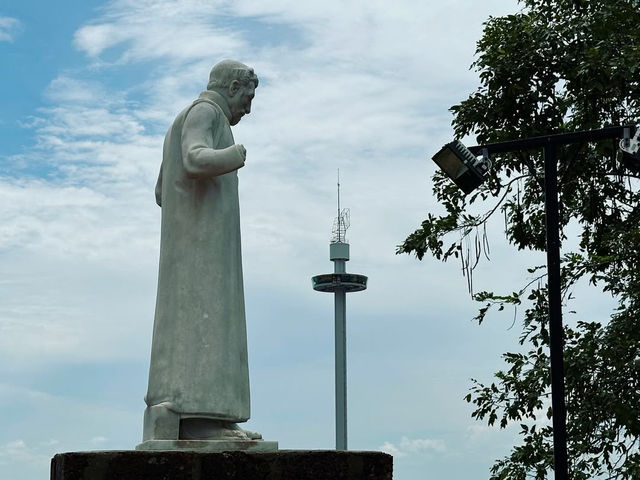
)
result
[(199, 352)]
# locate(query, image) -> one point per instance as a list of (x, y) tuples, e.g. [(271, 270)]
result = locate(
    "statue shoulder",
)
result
[(204, 108), (203, 113)]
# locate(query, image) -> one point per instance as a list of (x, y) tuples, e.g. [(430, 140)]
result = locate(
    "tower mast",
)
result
[(340, 283)]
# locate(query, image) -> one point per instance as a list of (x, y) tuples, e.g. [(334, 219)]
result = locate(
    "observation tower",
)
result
[(340, 283)]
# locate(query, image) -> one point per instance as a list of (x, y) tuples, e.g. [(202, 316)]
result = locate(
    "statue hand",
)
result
[(242, 150)]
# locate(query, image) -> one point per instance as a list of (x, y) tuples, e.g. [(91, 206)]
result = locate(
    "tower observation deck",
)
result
[(340, 283)]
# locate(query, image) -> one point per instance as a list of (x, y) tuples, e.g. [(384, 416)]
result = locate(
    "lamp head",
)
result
[(460, 165), (630, 148)]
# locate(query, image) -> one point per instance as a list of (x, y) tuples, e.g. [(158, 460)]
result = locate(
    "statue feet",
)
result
[(253, 435), (165, 430), (208, 429)]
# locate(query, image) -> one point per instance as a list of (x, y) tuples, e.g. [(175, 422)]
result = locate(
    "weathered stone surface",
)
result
[(210, 445), (199, 368), (185, 465)]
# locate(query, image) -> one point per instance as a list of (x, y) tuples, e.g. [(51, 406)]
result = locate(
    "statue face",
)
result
[(239, 100)]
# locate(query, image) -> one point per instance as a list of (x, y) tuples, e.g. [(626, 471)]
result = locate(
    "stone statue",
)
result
[(199, 378)]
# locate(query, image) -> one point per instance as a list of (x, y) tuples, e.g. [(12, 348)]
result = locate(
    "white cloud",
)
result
[(416, 446), (364, 89), (9, 28), (63, 307), (17, 451), (78, 423), (65, 89), (391, 449), (70, 219), (325, 102), (167, 30), (342, 116)]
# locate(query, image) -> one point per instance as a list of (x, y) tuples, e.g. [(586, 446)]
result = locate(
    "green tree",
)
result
[(557, 66)]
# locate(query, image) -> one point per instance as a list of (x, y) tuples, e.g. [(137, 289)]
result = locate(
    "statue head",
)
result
[(237, 84)]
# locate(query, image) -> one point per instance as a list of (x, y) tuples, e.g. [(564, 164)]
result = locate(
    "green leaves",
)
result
[(556, 66)]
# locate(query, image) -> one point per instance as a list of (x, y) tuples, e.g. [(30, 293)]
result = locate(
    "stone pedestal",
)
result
[(232, 465), (210, 445)]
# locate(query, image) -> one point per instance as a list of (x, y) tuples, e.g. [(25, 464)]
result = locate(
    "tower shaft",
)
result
[(340, 300)]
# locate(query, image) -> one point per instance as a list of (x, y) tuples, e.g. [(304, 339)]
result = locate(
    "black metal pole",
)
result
[(556, 334), (550, 144)]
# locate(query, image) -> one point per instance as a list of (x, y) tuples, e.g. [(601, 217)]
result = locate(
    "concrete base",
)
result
[(210, 445), (233, 465)]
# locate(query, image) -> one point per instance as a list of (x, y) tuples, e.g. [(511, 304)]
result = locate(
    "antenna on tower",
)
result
[(338, 199), (341, 222)]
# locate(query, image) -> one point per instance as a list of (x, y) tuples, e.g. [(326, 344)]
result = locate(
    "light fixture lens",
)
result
[(460, 165), (450, 163)]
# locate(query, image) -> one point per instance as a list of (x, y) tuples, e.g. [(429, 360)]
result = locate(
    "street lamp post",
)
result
[(468, 172)]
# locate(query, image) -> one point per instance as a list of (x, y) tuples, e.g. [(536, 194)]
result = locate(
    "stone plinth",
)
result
[(210, 445), (192, 465)]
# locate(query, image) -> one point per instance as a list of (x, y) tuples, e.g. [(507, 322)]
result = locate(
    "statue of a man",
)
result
[(199, 378)]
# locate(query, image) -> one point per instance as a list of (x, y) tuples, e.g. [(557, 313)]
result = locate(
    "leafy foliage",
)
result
[(557, 66)]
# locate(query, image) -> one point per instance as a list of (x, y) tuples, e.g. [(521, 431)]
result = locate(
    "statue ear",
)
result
[(234, 87)]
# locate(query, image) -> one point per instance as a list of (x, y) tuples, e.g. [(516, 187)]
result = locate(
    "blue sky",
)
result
[(88, 90)]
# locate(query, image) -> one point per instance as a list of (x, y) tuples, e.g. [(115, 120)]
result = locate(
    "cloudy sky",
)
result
[(88, 90)]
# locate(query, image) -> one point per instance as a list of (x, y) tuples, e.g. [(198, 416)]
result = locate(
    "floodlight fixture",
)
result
[(630, 148), (466, 170)]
